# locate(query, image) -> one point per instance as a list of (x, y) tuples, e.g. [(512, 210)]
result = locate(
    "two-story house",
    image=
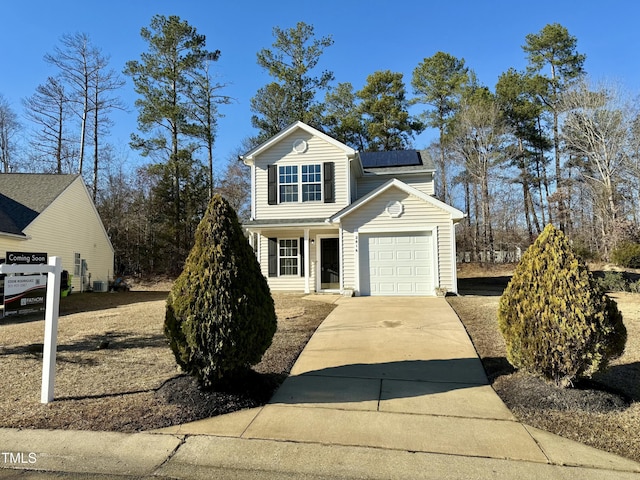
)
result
[(326, 218)]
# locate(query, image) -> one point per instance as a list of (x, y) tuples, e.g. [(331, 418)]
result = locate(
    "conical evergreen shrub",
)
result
[(555, 319), (220, 316)]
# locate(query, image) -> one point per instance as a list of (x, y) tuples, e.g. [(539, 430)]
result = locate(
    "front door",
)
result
[(329, 264)]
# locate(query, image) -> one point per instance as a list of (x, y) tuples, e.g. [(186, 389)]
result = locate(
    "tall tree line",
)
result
[(535, 149), (544, 145)]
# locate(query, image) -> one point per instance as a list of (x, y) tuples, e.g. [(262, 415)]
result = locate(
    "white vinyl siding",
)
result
[(282, 154), (417, 216), (68, 226)]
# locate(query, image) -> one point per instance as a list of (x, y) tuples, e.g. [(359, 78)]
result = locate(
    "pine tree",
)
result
[(220, 316), (293, 64), (385, 112), (556, 321)]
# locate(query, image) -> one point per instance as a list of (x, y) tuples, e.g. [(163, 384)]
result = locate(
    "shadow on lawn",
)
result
[(92, 301), (485, 286), (108, 341), (494, 286), (89, 302), (623, 379)]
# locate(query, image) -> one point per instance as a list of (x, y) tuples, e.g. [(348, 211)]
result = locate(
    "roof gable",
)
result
[(250, 155), (395, 183), (24, 196)]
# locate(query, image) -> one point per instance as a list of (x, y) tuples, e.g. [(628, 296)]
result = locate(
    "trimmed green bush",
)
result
[(220, 316), (556, 321), (627, 255)]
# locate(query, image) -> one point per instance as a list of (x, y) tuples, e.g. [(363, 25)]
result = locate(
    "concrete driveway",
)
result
[(399, 374)]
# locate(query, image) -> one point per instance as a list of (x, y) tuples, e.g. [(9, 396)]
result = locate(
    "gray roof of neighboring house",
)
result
[(400, 160), (24, 196)]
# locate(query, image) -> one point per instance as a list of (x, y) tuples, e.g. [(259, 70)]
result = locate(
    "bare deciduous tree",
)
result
[(75, 60), (478, 140), (9, 126), (597, 133), (49, 109), (90, 86)]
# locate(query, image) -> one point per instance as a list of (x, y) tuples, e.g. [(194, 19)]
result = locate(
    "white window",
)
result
[(77, 264), (305, 187), (288, 256), (288, 180), (311, 183)]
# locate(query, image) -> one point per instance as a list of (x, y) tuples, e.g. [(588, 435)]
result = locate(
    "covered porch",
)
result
[(298, 255)]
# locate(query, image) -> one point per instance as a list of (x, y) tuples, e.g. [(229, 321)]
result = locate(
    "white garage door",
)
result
[(396, 264)]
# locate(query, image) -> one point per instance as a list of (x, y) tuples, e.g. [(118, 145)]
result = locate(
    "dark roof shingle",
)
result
[(23, 196)]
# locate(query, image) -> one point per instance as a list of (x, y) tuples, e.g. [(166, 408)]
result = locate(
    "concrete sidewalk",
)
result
[(386, 388)]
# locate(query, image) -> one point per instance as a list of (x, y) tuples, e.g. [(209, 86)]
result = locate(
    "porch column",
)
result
[(306, 261)]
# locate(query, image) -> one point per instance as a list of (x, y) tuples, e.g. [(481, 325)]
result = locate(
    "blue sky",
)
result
[(369, 36)]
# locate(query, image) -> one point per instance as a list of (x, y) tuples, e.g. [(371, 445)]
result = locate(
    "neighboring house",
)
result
[(54, 214), (326, 218)]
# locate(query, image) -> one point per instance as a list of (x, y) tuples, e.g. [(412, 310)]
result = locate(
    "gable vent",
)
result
[(300, 146), (394, 209)]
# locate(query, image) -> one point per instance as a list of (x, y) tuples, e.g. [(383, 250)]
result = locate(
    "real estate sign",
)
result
[(26, 258), (25, 293)]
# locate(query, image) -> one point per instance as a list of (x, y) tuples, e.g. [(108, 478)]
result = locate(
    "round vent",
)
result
[(394, 209), (299, 146)]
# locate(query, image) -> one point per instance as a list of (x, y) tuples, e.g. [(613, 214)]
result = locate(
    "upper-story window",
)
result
[(307, 186), (311, 183), (288, 180), (301, 183)]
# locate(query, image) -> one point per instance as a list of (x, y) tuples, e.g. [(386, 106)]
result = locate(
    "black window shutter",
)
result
[(301, 247), (273, 184), (273, 257), (329, 184)]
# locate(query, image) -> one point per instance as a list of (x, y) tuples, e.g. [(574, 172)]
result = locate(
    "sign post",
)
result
[(54, 272), (51, 330)]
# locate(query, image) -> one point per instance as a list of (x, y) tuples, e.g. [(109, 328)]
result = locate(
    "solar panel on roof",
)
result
[(396, 158)]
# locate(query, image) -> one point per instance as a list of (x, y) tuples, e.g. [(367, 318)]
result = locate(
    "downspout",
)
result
[(454, 278)]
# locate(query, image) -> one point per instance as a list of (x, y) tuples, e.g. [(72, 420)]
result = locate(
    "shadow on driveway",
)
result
[(381, 381)]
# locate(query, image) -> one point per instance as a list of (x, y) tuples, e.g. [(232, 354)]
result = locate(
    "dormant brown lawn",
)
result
[(115, 370), (604, 414)]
